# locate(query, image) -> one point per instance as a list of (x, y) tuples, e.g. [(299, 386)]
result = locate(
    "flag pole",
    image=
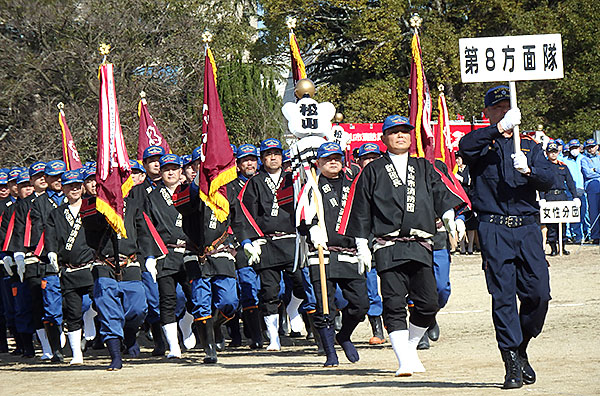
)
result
[(513, 104), (322, 273), (104, 50)]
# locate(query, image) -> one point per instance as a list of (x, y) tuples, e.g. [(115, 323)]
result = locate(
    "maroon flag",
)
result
[(217, 167), (422, 144), (149, 134), (113, 171), (70, 154)]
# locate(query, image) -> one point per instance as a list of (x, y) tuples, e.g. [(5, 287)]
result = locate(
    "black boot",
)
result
[(3, 340), (207, 339), (160, 347), (114, 350), (97, 343), (423, 342), (234, 331), (565, 251), (377, 327), (130, 340), (218, 321), (514, 376), (309, 330), (433, 332), (253, 321), (343, 337), (284, 323), (553, 249), (53, 332), (27, 342), (317, 336), (528, 373), (327, 336), (18, 351)]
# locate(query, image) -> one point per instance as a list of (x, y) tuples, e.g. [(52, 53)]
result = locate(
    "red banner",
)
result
[(217, 167), (70, 154), (422, 144), (149, 135), (113, 171)]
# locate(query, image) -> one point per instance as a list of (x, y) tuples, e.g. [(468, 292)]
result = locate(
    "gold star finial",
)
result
[(291, 22), (207, 37), (104, 49), (415, 21)]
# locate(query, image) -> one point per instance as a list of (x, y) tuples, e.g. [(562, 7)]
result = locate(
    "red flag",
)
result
[(70, 154), (422, 144), (217, 167), (113, 171), (149, 134), (298, 69), (443, 152)]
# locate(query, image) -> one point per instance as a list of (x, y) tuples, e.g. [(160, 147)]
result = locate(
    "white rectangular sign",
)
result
[(559, 212), (511, 58)]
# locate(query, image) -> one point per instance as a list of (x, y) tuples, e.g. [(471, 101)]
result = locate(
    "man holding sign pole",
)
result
[(504, 196)]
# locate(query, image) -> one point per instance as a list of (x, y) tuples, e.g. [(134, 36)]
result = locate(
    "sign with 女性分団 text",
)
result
[(560, 211), (511, 58)]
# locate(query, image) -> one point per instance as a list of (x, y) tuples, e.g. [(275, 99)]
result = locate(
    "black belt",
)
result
[(508, 221), (556, 192)]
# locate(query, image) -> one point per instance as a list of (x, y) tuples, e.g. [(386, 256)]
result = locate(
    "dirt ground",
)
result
[(465, 361)]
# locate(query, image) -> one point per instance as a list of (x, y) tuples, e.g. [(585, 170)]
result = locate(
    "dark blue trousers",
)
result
[(515, 266)]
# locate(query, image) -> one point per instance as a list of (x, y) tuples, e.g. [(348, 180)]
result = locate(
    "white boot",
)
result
[(89, 327), (399, 339), (170, 330), (63, 339), (46, 349), (75, 342), (272, 322), (415, 333), (185, 324), (296, 321)]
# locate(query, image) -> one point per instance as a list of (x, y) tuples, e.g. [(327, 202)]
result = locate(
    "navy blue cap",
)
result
[(560, 142), (368, 148), (395, 120), (13, 173), (329, 148), (55, 168), (234, 149), (286, 156), (590, 143), (197, 153), (151, 151), (23, 177), (270, 143), (170, 159), (3, 176), (72, 176), (186, 159), (574, 143), (552, 146), (496, 94), (133, 164), (37, 167), (90, 171), (247, 149)]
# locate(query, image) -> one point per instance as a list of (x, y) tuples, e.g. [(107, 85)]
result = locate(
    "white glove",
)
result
[(577, 201), (459, 177), (253, 252), (364, 255), (511, 119), (8, 262), (6, 266), (449, 223), (461, 229), (20, 260), (151, 267), (520, 162), (53, 257), (318, 236)]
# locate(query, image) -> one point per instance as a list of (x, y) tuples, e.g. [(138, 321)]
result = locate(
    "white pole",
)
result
[(560, 241), (513, 103)]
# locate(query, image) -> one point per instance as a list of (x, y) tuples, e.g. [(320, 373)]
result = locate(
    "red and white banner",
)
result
[(70, 154), (149, 135)]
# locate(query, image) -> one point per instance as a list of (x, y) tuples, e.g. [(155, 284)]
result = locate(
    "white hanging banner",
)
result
[(511, 58)]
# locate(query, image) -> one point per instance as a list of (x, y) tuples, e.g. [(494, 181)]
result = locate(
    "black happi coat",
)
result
[(334, 193), (64, 235), (382, 204), (139, 238), (40, 211), (268, 211), (235, 187), (203, 230), (168, 222)]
